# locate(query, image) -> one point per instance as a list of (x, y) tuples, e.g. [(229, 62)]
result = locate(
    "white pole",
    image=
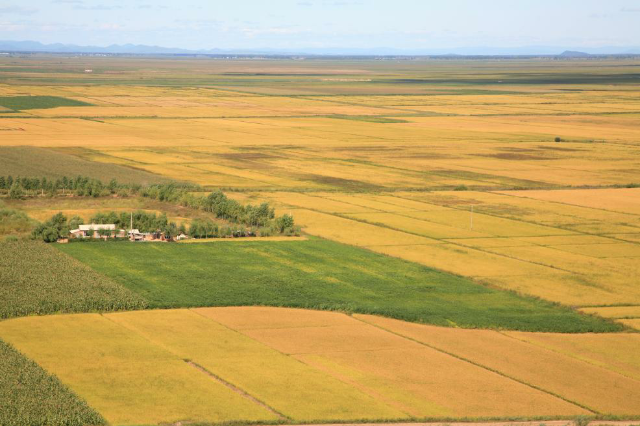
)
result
[(471, 217)]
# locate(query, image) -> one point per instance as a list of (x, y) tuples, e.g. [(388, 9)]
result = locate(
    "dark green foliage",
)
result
[(142, 221), (320, 274), (51, 230), (20, 103), (284, 222), (203, 229), (75, 222), (37, 279), (30, 396), (16, 191), (80, 186), (223, 207)]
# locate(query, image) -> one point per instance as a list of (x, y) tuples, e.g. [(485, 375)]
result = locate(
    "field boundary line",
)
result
[(567, 354), (236, 389), (382, 225), (461, 358), (199, 367), (501, 193), (293, 358), (564, 203)]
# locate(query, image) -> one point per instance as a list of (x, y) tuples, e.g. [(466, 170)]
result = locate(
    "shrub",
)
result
[(284, 222), (16, 190), (52, 229)]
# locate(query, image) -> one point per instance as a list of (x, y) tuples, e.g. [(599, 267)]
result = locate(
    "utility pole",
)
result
[(471, 218)]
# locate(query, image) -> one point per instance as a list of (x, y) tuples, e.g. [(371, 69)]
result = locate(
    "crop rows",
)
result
[(38, 279), (30, 396), (320, 274)]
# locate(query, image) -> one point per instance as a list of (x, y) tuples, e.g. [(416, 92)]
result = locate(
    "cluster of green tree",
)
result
[(217, 203), (56, 227), (142, 221), (261, 216), (205, 228)]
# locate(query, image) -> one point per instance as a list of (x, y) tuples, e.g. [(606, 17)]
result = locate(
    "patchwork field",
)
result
[(575, 251), (497, 201), (216, 364), (37, 279), (31, 396), (319, 274)]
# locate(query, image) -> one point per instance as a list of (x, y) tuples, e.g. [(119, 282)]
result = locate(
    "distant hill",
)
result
[(574, 54), (140, 49), (34, 46)]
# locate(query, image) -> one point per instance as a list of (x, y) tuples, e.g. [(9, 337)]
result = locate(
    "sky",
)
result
[(290, 24)]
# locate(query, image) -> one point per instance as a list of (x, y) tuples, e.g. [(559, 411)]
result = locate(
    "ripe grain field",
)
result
[(494, 195)]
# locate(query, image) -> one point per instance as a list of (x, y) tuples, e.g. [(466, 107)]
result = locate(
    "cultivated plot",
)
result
[(258, 363)]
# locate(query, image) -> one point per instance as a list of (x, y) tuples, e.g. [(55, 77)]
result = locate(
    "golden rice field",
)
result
[(252, 363), (522, 175), (303, 140)]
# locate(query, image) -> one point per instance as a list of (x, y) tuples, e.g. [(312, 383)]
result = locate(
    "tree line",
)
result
[(59, 226), (81, 186), (251, 219)]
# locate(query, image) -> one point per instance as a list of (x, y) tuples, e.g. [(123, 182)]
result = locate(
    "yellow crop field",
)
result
[(417, 380), (127, 379), (284, 384), (563, 252), (216, 364), (633, 323), (351, 232), (615, 311), (625, 200), (615, 352), (593, 387), (520, 175)]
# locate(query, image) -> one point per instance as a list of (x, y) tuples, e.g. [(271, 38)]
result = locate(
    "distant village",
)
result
[(109, 230)]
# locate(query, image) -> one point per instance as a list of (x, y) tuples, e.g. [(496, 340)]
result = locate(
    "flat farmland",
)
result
[(299, 365), (574, 251), (319, 274), (493, 204)]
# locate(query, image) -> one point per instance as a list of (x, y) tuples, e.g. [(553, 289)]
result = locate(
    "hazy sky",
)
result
[(324, 23)]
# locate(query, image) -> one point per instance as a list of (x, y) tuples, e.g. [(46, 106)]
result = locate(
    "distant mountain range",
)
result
[(34, 46)]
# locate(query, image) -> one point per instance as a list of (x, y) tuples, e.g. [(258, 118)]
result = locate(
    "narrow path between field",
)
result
[(236, 389), (477, 364)]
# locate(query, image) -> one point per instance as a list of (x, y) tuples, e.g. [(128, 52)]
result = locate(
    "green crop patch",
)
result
[(319, 274), (21, 103), (30, 396), (37, 279)]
